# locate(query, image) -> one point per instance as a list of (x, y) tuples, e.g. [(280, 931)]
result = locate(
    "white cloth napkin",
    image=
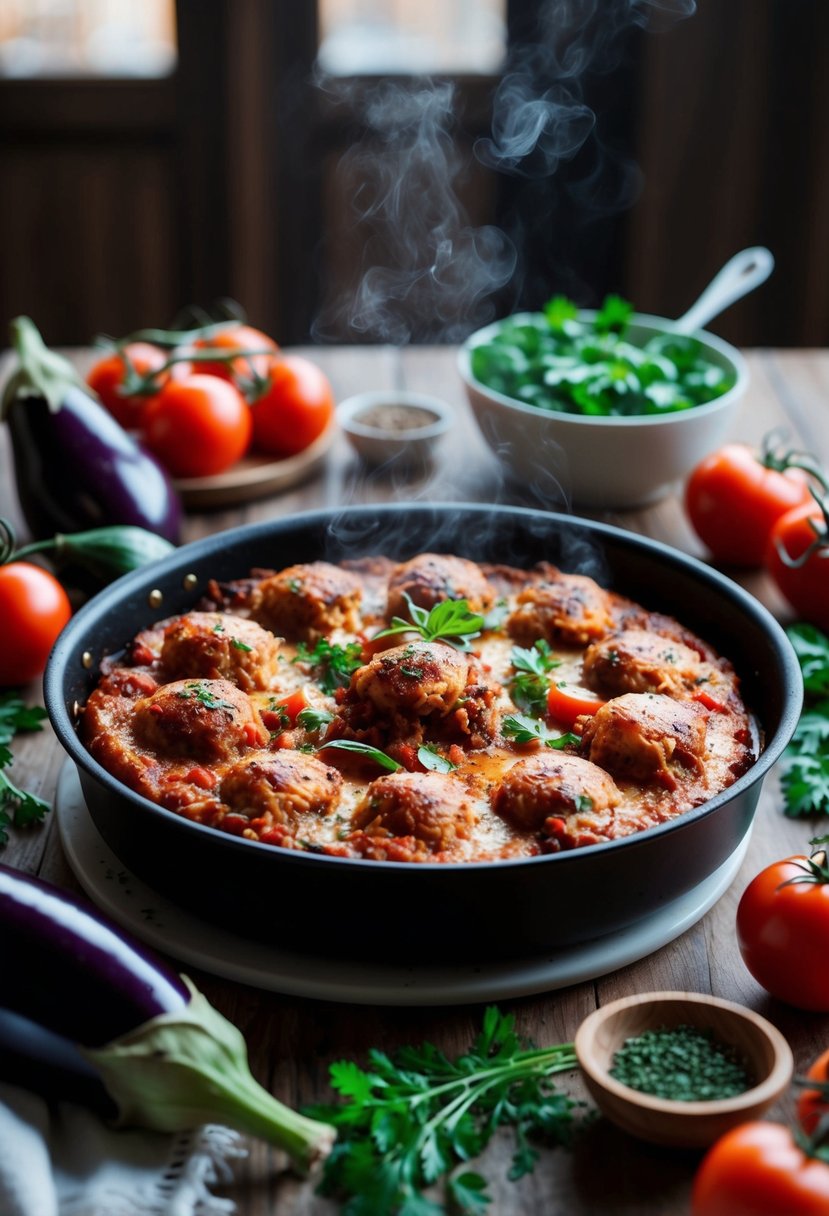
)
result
[(63, 1161)]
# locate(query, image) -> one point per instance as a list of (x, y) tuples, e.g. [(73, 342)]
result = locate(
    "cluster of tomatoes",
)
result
[(218, 394), (767, 509)]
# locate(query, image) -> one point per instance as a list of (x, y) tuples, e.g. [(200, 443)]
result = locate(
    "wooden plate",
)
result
[(254, 476)]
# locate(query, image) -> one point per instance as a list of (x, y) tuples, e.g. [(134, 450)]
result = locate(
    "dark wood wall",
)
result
[(121, 202)]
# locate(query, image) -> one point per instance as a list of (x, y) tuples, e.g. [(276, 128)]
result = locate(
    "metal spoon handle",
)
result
[(739, 276)]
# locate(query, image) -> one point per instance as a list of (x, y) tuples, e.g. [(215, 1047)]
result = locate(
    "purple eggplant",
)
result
[(49, 1065), (76, 468), (165, 1057)]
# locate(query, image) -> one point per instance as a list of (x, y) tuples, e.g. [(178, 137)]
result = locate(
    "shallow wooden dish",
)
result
[(681, 1124)]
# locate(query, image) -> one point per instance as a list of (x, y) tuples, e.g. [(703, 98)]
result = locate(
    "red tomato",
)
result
[(783, 933), (33, 609), (236, 337), (198, 426), (294, 410), (107, 376), (813, 1104), (757, 1169), (566, 702), (733, 502), (806, 586)]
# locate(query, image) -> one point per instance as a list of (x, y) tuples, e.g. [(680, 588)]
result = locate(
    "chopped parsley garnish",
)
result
[(333, 665), (18, 808), (449, 621), (205, 697), (410, 1122), (530, 686), (804, 766), (239, 645), (522, 729)]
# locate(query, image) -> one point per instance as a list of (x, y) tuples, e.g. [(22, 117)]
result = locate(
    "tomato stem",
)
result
[(772, 457), (819, 547)]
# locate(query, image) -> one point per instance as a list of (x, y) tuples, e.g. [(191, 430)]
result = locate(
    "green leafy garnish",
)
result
[(435, 761), (314, 719), (364, 749), (804, 766), (333, 665), (205, 696), (449, 621), (557, 360), (530, 686), (406, 1121), (18, 808), (522, 729), (237, 644)]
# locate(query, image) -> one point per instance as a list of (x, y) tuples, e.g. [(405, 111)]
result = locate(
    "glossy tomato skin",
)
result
[(294, 410), (236, 337), (566, 702), (107, 376), (813, 1104), (198, 426), (783, 934), (733, 501), (33, 609), (806, 587), (757, 1169)]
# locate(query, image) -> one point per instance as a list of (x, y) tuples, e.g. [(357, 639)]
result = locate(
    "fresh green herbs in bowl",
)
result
[(607, 409), (586, 363)]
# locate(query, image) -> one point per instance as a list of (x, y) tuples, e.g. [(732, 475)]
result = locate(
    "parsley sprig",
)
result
[(449, 621), (18, 808), (406, 1122), (804, 768), (529, 687), (333, 665), (522, 729), (363, 749)]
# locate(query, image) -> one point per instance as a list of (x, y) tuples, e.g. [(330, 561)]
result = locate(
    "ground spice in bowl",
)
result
[(393, 417), (681, 1064)]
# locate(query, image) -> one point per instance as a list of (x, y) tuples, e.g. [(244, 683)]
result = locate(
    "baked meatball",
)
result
[(570, 610), (431, 807), (418, 678), (210, 720), (302, 603), (432, 577), (548, 785), (637, 660), (281, 786), (214, 646), (641, 736)]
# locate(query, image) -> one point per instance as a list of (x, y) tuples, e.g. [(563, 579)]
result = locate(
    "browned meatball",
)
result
[(570, 610), (214, 645), (302, 603), (210, 720), (641, 735), (432, 807), (419, 678), (281, 785), (552, 785), (637, 660), (432, 577)]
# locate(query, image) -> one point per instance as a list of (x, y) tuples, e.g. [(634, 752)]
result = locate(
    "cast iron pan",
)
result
[(425, 912)]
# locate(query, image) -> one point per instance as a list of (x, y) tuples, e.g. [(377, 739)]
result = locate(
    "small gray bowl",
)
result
[(394, 425)]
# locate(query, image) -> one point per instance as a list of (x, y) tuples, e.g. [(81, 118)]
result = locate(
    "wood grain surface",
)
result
[(292, 1041)]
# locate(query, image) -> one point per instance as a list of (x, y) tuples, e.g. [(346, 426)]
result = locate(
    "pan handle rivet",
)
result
[(87, 659), (155, 597), (189, 582)]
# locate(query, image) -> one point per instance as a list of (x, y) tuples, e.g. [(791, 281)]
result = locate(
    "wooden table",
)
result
[(292, 1040)]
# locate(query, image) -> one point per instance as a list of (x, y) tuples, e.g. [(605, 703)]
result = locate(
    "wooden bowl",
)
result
[(681, 1124)]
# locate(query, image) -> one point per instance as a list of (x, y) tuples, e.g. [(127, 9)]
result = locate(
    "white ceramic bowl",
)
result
[(379, 440), (604, 462)]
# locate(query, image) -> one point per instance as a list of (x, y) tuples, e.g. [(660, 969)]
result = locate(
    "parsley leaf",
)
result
[(405, 1122), (530, 686), (804, 766), (371, 753), (333, 665), (435, 761), (522, 729), (449, 621), (18, 808), (314, 719)]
